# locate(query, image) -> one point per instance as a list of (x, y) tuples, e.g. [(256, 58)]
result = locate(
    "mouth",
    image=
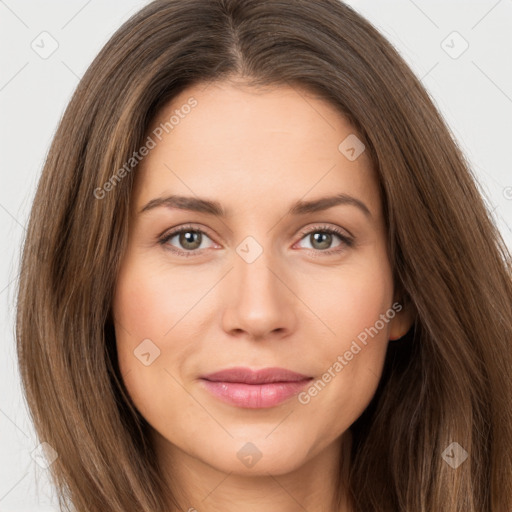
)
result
[(243, 387)]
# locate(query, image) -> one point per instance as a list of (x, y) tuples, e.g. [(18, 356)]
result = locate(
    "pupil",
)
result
[(324, 239), (187, 239)]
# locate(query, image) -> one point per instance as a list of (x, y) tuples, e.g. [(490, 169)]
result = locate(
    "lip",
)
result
[(254, 389)]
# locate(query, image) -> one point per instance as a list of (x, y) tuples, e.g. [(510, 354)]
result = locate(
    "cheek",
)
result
[(351, 359), (150, 301), (142, 315), (368, 295), (153, 309), (353, 300)]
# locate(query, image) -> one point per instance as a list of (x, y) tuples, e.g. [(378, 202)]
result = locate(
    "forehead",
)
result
[(243, 145)]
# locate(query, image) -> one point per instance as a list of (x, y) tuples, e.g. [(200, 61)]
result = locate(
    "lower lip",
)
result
[(254, 396)]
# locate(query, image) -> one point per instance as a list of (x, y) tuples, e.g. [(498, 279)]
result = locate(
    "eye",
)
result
[(322, 237), (188, 238)]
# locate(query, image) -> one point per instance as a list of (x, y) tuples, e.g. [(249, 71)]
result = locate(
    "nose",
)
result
[(260, 304)]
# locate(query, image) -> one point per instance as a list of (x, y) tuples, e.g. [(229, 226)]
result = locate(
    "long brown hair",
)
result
[(449, 380)]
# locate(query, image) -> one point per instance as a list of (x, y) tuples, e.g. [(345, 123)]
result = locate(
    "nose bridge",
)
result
[(255, 269), (259, 302)]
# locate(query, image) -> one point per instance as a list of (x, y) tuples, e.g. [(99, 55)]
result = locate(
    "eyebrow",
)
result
[(214, 208)]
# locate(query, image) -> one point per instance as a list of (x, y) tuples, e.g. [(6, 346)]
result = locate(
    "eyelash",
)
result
[(346, 240)]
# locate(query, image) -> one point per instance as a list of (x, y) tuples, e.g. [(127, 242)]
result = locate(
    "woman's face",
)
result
[(267, 285)]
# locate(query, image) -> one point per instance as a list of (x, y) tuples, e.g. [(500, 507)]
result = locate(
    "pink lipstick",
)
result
[(258, 389)]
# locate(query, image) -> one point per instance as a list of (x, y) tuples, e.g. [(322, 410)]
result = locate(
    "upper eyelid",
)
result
[(175, 231), (325, 227)]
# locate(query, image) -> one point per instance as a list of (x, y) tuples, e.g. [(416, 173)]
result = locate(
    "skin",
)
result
[(256, 152)]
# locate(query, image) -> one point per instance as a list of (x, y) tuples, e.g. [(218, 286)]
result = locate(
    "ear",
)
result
[(402, 321)]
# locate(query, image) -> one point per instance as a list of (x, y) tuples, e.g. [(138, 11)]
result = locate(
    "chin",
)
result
[(257, 455)]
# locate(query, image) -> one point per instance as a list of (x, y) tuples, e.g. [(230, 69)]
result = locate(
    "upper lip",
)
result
[(248, 376)]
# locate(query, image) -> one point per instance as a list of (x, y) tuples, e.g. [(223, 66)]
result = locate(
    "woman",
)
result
[(182, 349)]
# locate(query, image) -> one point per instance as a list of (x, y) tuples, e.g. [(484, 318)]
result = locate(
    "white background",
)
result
[(473, 92)]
